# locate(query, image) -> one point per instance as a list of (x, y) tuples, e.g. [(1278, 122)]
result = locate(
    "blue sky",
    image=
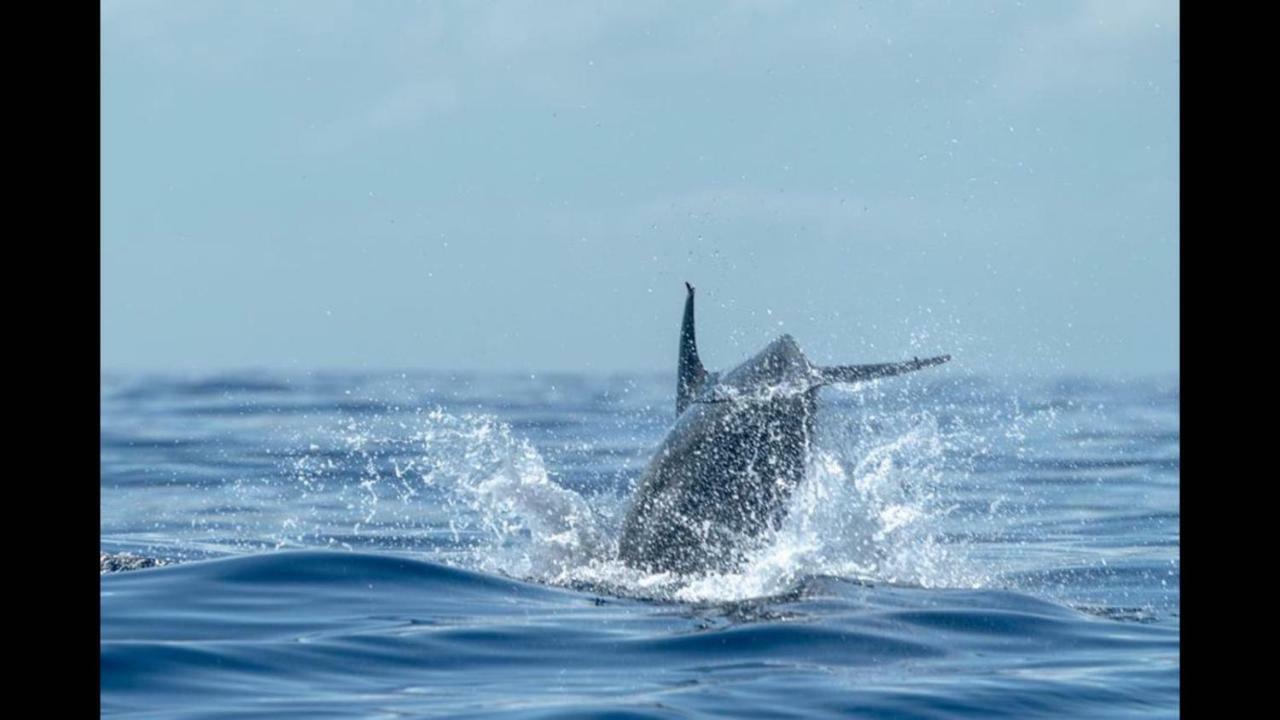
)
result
[(525, 186)]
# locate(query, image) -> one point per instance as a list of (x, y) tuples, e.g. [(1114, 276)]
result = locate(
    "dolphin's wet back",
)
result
[(725, 472)]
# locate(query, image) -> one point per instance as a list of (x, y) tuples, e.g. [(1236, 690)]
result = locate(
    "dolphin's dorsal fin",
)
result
[(691, 373), (858, 373)]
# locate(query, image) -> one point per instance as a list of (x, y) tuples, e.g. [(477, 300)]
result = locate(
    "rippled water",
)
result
[(338, 545)]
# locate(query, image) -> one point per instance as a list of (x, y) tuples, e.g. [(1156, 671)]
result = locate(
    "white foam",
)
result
[(868, 508)]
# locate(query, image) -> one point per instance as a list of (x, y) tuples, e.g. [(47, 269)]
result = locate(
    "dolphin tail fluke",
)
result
[(859, 373), (691, 372)]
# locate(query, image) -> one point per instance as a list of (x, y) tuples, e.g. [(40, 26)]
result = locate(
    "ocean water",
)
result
[(379, 545)]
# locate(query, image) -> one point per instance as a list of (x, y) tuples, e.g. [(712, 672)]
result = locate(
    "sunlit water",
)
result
[(377, 545)]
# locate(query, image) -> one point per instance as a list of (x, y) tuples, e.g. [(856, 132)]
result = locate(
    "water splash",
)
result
[(868, 508), (530, 526)]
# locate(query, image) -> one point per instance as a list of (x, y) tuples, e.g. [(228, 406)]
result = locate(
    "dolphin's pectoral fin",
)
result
[(691, 372), (858, 373)]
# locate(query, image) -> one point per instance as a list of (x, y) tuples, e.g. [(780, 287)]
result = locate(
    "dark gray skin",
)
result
[(725, 473)]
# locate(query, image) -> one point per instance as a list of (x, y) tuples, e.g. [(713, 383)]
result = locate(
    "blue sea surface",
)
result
[(328, 544)]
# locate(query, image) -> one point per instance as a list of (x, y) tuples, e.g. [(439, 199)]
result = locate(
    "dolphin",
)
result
[(725, 472)]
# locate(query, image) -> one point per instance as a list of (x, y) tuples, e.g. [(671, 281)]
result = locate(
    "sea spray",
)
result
[(867, 507)]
